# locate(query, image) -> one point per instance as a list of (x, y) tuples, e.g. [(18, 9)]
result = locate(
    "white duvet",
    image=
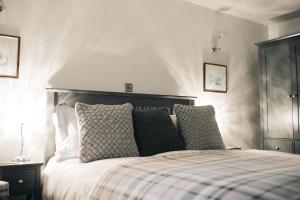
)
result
[(72, 180)]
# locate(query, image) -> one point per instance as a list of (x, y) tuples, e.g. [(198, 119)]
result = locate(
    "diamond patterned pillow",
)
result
[(198, 127), (106, 131), (154, 132)]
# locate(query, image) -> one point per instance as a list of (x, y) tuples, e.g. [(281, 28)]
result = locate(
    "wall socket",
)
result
[(128, 87)]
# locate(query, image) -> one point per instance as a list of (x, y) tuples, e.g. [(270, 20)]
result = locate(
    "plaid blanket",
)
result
[(217, 174)]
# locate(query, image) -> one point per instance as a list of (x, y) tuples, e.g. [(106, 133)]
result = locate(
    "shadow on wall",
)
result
[(9, 30), (99, 70), (237, 111)]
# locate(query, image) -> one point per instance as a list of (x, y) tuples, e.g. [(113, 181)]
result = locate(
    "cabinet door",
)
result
[(278, 89), (295, 55), (263, 89), (297, 147)]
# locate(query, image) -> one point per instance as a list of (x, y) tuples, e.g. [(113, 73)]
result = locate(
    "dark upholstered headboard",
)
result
[(70, 97)]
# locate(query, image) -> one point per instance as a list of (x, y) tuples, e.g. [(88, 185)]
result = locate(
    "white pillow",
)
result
[(66, 133)]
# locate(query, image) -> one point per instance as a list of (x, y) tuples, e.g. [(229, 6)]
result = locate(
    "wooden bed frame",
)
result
[(70, 97)]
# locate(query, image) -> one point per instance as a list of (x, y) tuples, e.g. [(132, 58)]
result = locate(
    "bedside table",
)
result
[(23, 179)]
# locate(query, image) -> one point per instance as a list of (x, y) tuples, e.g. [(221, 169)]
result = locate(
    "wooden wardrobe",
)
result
[(279, 61)]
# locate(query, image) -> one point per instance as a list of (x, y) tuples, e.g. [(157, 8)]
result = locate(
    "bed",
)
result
[(188, 174)]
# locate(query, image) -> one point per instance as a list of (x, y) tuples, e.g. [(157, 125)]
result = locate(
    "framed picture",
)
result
[(9, 56), (215, 77)]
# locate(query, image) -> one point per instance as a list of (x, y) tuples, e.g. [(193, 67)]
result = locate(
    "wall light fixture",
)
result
[(217, 40)]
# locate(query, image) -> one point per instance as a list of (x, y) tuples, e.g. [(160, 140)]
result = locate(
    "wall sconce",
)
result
[(2, 5), (216, 43), (214, 48)]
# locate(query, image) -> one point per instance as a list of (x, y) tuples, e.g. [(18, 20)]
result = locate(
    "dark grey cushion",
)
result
[(198, 127), (155, 133), (106, 131)]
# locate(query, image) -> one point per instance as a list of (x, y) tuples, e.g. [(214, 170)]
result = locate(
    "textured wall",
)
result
[(284, 28), (159, 46)]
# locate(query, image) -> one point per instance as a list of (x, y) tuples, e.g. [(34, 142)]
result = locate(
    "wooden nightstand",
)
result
[(24, 179)]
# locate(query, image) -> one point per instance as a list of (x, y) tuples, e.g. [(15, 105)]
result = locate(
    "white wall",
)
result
[(159, 46), (284, 28)]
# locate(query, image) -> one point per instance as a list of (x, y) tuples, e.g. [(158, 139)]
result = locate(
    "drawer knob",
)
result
[(277, 148), (20, 181)]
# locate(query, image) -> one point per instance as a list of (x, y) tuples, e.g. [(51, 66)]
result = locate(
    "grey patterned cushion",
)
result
[(198, 127), (106, 131)]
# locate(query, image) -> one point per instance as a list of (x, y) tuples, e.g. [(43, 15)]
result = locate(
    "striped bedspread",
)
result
[(215, 174)]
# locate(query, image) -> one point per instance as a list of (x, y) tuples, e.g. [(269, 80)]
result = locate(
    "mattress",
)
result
[(213, 174)]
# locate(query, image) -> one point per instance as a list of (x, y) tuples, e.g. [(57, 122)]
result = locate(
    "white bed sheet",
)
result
[(72, 180)]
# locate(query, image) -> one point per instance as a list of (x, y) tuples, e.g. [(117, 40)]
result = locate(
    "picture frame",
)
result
[(215, 78), (9, 56)]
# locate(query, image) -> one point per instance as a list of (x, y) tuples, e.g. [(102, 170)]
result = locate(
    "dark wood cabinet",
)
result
[(279, 61), (23, 179)]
